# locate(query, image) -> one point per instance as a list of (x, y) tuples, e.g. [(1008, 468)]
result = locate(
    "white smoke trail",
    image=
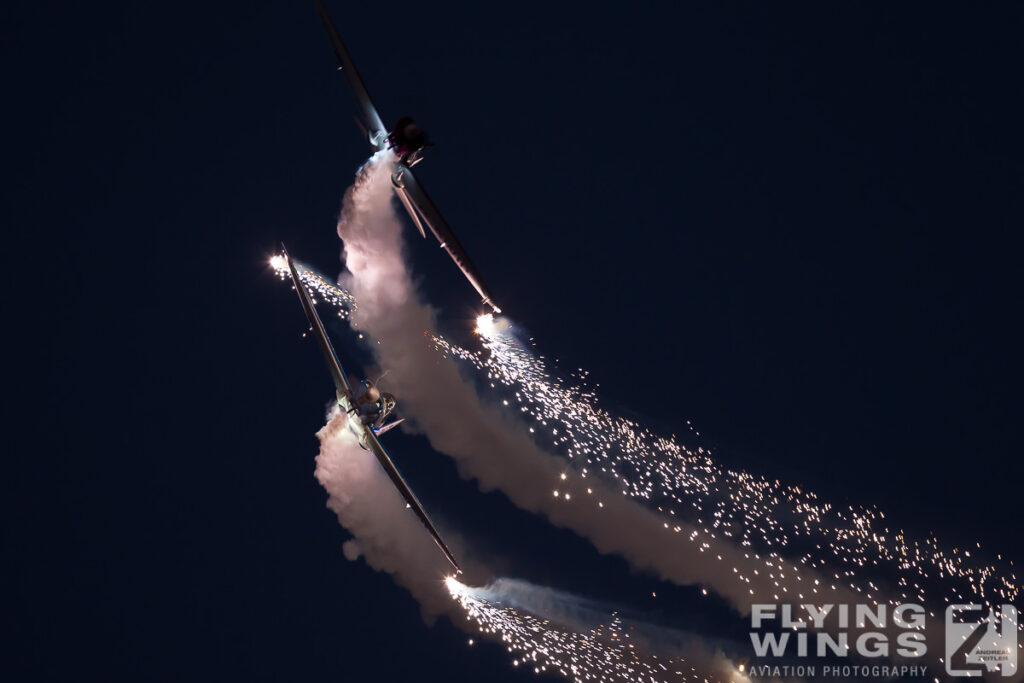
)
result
[(496, 451), (486, 444), (387, 535), (585, 640), (542, 628), (852, 543)]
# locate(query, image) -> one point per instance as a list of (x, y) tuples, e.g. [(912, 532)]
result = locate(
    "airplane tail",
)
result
[(388, 427)]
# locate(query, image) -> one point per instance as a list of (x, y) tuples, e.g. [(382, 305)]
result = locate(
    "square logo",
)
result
[(977, 642)]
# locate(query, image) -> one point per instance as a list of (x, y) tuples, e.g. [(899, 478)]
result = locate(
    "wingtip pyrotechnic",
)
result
[(322, 288), (485, 325)]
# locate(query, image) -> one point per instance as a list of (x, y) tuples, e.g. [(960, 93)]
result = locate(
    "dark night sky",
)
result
[(796, 226)]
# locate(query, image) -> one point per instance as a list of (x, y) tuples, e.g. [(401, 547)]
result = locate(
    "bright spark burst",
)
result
[(485, 325)]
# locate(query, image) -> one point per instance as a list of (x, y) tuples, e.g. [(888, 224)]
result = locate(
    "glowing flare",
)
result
[(485, 325)]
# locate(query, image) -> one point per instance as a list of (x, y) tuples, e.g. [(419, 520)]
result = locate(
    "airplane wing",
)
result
[(344, 391), (371, 120), (368, 439), (371, 441), (428, 212)]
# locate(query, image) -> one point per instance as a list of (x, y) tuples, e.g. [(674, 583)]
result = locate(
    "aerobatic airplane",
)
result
[(365, 412), (407, 140)]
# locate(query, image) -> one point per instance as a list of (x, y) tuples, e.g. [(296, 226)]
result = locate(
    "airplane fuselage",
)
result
[(358, 429)]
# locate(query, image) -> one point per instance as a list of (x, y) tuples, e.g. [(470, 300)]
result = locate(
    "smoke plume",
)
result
[(487, 445)]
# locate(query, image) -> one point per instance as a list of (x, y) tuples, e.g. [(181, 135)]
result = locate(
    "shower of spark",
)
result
[(797, 547), (846, 544), (318, 286), (603, 653)]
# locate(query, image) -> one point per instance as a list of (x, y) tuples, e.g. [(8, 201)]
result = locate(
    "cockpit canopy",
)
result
[(368, 393), (373, 404)]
